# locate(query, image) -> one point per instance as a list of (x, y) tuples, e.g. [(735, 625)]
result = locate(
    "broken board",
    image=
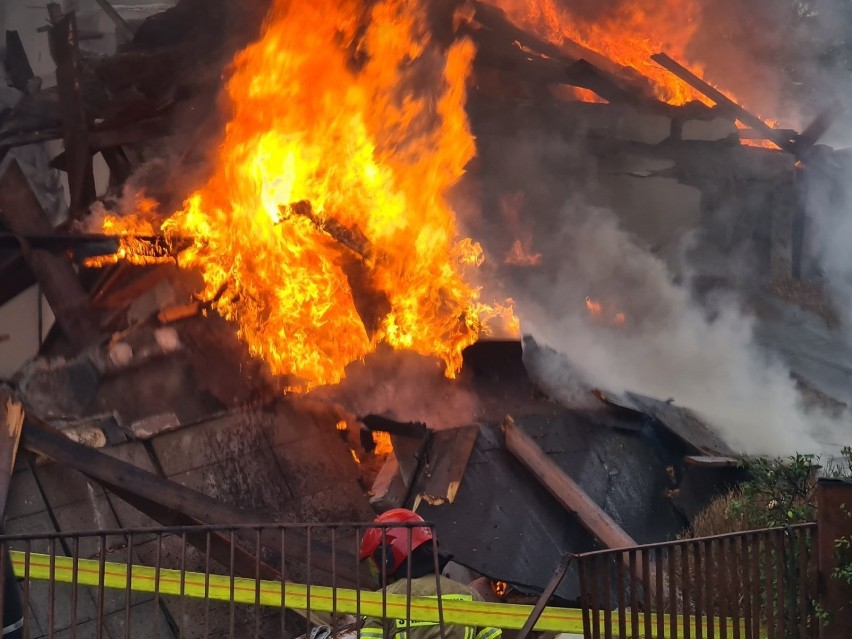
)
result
[(443, 467)]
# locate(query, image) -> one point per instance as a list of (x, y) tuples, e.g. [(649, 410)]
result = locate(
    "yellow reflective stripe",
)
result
[(468, 633), (322, 599), (373, 633), (489, 633)]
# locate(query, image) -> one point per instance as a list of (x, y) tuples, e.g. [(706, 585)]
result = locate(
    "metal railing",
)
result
[(271, 580), (761, 583)]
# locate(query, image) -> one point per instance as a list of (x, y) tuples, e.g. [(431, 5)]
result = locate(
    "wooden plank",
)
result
[(443, 468), (724, 102), (22, 214), (566, 491), (120, 23), (389, 490), (63, 40), (11, 423), (184, 504), (711, 461)]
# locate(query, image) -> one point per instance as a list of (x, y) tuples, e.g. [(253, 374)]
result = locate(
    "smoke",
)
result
[(404, 386), (625, 318)]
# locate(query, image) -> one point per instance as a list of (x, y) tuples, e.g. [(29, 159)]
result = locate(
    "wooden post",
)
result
[(566, 491), (75, 126), (834, 521), (22, 214)]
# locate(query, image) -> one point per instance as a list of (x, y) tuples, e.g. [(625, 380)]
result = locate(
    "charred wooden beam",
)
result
[(64, 49), (22, 214), (11, 423), (415, 430), (120, 23), (15, 276), (443, 469), (18, 67), (176, 501), (724, 102), (820, 125), (566, 491)]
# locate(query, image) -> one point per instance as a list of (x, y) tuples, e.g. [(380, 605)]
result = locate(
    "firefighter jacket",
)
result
[(425, 587)]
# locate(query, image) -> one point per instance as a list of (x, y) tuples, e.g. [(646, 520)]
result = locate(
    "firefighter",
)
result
[(423, 582)]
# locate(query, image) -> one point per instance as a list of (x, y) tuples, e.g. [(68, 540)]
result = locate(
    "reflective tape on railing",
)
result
[(295, 596)]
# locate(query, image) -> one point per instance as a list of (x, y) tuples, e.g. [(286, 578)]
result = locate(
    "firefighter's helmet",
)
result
[(396, 538)]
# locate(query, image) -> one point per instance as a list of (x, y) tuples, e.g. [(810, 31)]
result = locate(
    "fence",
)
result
[(740, 586), (196, 581), (288, 580)]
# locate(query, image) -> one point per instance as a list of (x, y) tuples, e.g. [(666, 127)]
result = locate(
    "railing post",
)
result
[(834, 522)]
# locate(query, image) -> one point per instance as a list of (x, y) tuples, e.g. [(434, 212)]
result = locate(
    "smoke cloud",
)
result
[(627, 318)]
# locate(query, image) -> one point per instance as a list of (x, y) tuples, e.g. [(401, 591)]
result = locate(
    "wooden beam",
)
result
[(22, 214), (712, 461), (11, 423), (64, 49), (566, 491), (182, 503), (442, 470), (724, 102), (120, 23)]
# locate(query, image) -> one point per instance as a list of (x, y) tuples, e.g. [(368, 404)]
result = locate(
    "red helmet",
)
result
[(395, 538)]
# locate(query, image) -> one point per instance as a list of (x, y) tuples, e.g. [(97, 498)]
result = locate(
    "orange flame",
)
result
[(521, 255), (599, 314), (326, 117), (383, 443), (628, 34)]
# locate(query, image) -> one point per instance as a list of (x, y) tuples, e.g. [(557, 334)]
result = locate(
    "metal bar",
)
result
[(283, 548), (722, 583), (700, 608), (51, 590), (658, 592), (671, 558), (74, 585), (207, 585), (736, 568), (182, 622), (595, 594), (128, 582), (99, 629), (607, 595), (232, 608), (710, 588), (778, 542), (620, 587), (646, 589), (547, 593), (768, 588), (685, 588), (26, 589), (257, 550), (584, 596), (308, 575), (634, 593), (157, 561), (755, 585), (437, 569), (803, 585)]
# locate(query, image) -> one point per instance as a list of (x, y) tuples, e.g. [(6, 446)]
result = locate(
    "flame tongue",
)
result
[(346, 123)]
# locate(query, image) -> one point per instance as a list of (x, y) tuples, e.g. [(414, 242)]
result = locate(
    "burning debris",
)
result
[(289, 314)]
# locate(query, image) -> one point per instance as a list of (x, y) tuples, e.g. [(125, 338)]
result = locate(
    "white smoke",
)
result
[(669, 346)]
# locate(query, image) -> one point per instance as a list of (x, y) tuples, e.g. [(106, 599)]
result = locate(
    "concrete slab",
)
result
[(89, 515), (63, 486), (314, 464), (24, 496), (143, 618), (185, 449)]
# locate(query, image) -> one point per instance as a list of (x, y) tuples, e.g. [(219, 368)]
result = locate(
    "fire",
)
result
[(348, 129), (521, 254), (383, 443), (599, 313), (627, 33)]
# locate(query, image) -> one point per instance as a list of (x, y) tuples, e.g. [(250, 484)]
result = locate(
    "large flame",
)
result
[(627, 33), (348, 129)]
